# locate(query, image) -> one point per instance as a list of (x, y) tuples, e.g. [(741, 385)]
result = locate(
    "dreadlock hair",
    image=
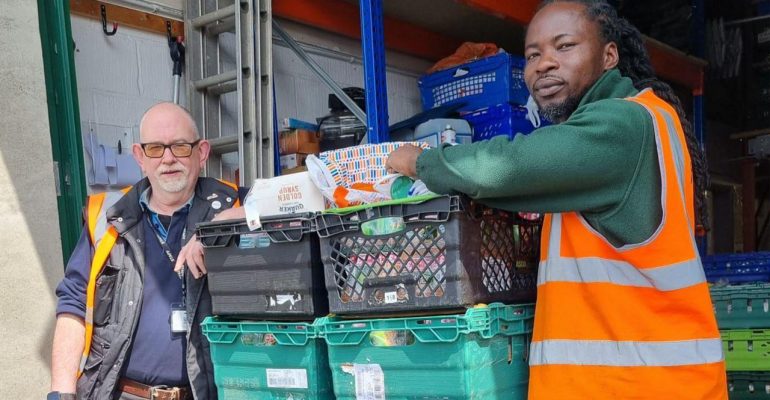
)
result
[(634, 63)]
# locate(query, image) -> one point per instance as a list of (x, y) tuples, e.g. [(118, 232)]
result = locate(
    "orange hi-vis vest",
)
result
[(103, 237), (630, 322)]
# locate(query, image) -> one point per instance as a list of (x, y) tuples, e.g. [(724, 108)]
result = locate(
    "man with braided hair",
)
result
[(623, 308)]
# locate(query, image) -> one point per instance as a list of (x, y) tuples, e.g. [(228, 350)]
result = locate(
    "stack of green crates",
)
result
[(743, 315), (481, 354)]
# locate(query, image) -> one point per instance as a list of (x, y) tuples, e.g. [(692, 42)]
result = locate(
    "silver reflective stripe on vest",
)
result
[(597, 270), (676, 147), (110, 198), (626, 354)]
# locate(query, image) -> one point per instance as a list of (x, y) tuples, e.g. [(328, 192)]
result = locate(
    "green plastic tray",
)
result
[(268, 360), (742, 306), (748, 385), (747, 350), (481, 354)]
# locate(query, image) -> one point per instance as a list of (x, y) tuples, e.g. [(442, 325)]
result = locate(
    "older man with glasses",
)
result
[(128, 324)]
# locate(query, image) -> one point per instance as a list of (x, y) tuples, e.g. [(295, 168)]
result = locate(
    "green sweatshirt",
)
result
[(601, 162)]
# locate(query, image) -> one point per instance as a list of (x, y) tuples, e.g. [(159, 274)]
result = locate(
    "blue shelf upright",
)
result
[(373, 44)]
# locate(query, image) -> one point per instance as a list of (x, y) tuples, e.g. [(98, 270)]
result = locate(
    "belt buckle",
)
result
[(171, 393)]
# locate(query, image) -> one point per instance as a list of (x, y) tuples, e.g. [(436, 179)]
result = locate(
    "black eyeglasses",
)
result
[(156, 150)]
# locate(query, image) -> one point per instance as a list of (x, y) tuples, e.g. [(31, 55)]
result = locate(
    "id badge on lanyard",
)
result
[(179, 321), (178, 318)]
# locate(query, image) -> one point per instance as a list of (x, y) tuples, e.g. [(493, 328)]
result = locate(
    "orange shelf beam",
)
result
[(344, 19), (520, 11), (669, 63), (676, 66)]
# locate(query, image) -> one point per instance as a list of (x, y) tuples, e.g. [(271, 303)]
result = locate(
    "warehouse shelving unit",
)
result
[(431, 30)]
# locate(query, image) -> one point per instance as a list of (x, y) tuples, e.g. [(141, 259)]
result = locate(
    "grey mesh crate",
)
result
[(273, 272), (442, 253)]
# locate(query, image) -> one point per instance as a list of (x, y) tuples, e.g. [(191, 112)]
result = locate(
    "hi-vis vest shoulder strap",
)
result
[(634, 321), (103, 237), (233, 186)]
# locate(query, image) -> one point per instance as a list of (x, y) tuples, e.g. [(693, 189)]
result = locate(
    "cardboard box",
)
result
[(299, 141), (286, 194), (293, 170), (293, 160)]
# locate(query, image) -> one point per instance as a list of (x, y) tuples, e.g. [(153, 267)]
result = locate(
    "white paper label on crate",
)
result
[(763, 37), (287, 378), (250, 205), (370, 382), (391, 297)]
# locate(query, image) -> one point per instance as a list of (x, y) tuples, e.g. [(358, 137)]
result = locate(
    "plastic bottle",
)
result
[(448, 135)]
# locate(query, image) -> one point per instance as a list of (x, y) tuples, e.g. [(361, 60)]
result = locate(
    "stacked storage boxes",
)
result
[(266, 289), (296, 142), (741, 297), (429, 299), (491, 90), (436, 258)]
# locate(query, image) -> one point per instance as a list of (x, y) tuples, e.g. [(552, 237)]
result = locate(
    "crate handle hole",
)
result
[(391, 338), (383, 226)]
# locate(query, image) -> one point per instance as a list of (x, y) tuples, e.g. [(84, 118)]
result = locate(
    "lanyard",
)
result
[(171, 257)]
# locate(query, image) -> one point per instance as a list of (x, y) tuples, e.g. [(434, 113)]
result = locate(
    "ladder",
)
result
[(229, 85)]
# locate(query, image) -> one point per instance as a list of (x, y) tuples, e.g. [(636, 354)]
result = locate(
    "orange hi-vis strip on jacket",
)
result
[(631, 322), (103, 237)]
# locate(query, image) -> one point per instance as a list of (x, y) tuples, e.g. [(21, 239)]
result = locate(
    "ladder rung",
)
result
[(227, 25), (217, 15), (224, 145), (206, 83), (223, 88)]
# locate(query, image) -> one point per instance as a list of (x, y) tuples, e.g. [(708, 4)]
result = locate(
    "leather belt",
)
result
[(159, 392)]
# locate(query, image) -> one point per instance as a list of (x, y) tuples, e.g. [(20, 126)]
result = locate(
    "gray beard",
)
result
[(558, 113)]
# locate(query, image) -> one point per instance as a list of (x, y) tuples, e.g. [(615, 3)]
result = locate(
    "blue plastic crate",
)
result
[(492, 80), (737, 268), (763, 8), (502, 119)]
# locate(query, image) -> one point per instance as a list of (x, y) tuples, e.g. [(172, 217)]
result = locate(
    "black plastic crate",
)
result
[(442, 253), (272, 272)]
